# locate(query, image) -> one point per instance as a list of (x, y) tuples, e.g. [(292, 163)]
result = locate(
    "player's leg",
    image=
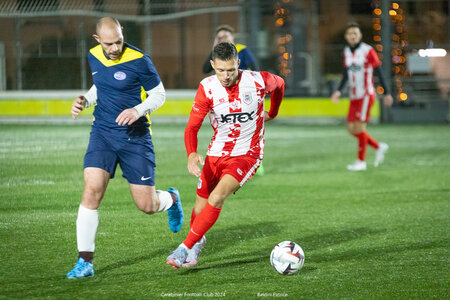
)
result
[(206, 183), (192, 256), (100, 164), (95, 183), (200, 203), (204, 220), (146, 199), (150, 201), (235, 171), (380, 147), (211, 211), (138, 166), (359, 115), (357, 129), (356, 126)]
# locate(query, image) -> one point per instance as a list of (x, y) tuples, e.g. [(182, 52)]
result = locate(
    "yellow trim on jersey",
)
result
[(127, 55), (240, 47), (143, 97)]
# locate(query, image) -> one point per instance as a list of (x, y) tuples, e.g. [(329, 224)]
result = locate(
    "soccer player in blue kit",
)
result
[(126, 88)]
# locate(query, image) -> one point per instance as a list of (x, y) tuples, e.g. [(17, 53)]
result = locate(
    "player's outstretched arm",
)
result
[(77, 106), (193, 160)]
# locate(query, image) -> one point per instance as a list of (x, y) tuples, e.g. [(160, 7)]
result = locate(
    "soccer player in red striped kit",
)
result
[(234, 100), (361, 63)]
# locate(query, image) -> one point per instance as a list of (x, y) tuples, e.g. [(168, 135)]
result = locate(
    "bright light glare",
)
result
[(434, 52)]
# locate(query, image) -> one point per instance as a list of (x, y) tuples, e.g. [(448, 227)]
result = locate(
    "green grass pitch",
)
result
[(383, 233)]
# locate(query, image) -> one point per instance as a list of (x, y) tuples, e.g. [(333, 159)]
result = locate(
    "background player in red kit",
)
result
[(234, 100), (361, 62)]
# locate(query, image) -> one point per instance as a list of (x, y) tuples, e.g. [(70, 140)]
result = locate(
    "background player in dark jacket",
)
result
[(225, 33)]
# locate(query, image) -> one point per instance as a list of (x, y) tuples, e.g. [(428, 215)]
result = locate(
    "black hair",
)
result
[(352, 25), (225, 51)]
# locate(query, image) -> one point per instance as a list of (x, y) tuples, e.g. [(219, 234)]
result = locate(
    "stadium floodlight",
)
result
[(432, 52)]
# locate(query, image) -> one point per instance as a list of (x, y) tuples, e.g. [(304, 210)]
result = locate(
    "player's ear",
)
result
[(96, 37), (238, 62), (212, 63)]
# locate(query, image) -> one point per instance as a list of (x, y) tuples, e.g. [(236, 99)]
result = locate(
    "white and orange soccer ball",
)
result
[(287, 258)]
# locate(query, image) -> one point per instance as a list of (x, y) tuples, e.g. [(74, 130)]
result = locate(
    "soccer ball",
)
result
[(287, 258)]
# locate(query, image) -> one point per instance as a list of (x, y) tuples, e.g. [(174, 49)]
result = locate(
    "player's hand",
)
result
[(193, 160), (335, 96), (127, 117), (388, 100), (77, 106), (266, 116)]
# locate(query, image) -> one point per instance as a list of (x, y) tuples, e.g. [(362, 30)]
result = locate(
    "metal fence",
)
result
[(45, 42)]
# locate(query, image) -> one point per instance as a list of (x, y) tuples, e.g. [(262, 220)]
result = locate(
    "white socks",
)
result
[(87, 223), (165, 200)]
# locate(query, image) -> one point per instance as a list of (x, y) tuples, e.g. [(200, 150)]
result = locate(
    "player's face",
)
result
[(353, 36), (111, 39), (226, 71)]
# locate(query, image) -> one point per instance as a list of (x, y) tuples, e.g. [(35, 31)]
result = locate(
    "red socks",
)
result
[(372, 142), (193, 215), (201, 224), (363, 139)]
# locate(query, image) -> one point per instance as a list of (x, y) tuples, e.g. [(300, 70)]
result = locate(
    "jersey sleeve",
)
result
[(199, 110), (373, 59), (148, 75), (275, 87)]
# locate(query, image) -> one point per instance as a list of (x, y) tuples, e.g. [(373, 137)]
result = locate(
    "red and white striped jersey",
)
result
[(360, 65), (236, 113)]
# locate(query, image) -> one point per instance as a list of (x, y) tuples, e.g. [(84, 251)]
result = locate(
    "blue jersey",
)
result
[(247, 60), (121, 84)]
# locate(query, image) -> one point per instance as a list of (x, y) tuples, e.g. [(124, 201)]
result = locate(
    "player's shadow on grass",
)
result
[(128, 262), (378, 251), (223, 238), (331, 239)]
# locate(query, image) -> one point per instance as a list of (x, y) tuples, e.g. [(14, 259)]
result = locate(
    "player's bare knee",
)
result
[(216, 200), (91, 197)]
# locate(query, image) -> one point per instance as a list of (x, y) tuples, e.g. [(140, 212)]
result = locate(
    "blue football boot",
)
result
[(175, 212), (81, 269)]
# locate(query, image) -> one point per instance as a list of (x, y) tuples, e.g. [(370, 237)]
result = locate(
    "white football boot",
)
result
[(178, 257), (379, 155), (358, 165), (192, 257)]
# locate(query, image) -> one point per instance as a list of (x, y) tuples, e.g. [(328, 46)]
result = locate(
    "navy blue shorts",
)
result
[(135, 155)]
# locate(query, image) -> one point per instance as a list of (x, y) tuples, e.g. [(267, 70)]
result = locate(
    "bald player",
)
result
[(126, 89)]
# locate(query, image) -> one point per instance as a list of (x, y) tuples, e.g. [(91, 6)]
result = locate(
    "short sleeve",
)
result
[(148, 75)]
